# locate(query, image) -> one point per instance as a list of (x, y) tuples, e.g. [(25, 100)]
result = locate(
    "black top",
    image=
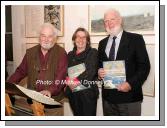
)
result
[(90, 58)]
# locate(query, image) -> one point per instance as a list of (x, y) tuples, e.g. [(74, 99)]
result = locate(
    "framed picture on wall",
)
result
[(136, 18), (36, 15), (55, 15)]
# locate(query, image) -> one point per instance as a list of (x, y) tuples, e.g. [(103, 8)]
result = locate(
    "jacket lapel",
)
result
[(123, 47), (105, 45)]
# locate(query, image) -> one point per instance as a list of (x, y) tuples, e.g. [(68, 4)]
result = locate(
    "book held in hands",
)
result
[(74, 72), (115, 73)]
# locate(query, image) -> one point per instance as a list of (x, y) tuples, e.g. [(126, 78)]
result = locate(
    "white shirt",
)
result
[(117, 42)]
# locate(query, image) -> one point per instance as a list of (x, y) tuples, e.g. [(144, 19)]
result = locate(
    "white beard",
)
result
[(47, 45), (113, 31)]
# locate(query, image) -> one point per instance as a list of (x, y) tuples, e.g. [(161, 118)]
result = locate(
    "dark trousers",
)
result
[(83, 104), (125, 109)]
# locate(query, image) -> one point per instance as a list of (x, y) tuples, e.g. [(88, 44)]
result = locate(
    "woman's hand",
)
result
[(72, 83)]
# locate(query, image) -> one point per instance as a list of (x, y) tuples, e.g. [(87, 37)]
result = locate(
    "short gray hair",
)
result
[(113, 10), (48, 25), (117, 13)]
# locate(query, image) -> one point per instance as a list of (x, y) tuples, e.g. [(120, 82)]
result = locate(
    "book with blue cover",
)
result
[(115, 73)]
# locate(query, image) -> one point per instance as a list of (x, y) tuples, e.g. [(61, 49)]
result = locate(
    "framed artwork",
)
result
[(136, 18), (55, 15), (36, 15)]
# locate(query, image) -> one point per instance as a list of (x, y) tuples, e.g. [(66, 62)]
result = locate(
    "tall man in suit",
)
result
[(127, 98)]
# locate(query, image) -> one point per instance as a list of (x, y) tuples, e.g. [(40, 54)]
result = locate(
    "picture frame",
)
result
[(141, 18), (36, 15), (54, 14)]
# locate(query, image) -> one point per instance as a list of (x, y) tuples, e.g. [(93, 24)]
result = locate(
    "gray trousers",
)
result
[(125, 109)]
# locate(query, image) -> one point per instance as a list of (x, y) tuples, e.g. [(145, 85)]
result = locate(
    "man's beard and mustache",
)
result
[(47, 45), (114, 31)]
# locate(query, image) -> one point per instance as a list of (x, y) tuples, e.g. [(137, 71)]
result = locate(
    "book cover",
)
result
[(115, 73), (74, 72)]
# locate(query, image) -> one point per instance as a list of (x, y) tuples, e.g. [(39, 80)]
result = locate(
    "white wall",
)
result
[(74, 17), (18, 30)]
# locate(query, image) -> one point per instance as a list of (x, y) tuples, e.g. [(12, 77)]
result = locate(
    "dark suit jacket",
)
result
[(131, 49)]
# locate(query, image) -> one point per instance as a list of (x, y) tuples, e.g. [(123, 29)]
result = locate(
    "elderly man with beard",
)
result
[(43, 64), (126, 99)]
